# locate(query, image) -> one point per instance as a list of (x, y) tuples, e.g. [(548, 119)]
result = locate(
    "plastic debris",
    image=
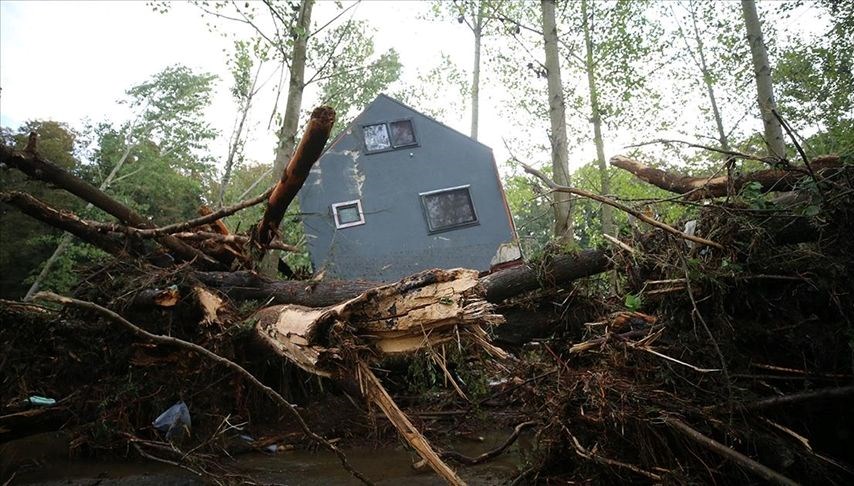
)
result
[(175, 420), (38, 401)]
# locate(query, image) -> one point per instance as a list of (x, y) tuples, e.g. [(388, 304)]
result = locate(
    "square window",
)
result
[(448, 208), (402, 134), (376, 137), (348, 214)]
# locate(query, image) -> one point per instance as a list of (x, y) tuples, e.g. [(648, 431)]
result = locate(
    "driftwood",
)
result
[(309, 150), (32, 164), (704, 187)]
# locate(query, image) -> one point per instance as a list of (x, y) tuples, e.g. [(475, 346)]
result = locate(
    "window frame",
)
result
[(336, 206), (430, 229), (391, 146)]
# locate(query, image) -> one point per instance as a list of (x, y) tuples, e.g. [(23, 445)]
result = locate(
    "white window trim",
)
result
[(339, 225), (430, 230)]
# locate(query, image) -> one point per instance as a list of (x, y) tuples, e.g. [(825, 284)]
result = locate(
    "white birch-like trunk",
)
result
[(557, 116), (764, 88)]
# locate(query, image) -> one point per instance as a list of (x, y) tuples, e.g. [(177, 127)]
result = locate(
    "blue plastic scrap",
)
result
[(41, 401), (175, 420)]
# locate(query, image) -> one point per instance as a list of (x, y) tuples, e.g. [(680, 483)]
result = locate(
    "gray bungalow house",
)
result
[(398, 192)]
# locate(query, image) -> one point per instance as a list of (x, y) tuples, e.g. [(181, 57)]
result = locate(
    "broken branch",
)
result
[(704, 187), (735, 456)]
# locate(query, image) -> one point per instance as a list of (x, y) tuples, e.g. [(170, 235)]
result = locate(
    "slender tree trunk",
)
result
[(475, 82), (296, 84), (288, 131), (762, 72), (707, 80), (236, 143), (557, 115), (596, 118)]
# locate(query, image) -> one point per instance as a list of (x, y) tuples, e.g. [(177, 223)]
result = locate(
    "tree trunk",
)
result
[(707, 80), (296, 84), (497, 286), (557, 116), (596, 118), (764, 89), (475, 82), (290, 123), (235, 142)]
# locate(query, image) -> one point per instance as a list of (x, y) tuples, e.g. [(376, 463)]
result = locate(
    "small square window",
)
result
[(348, 214), (402, 134), (448, 208), (376, 137)]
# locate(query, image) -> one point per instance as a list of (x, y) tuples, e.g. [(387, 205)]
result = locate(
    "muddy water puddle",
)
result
[(388, 465)]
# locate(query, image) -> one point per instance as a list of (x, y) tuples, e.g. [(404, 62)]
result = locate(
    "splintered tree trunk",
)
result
[(596, 118), (557, 116), (764, 88), (292, 178)]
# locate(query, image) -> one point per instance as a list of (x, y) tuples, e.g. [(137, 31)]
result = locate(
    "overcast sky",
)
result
[(68, 61)]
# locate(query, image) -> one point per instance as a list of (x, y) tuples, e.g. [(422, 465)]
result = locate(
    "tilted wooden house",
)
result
[(398, 192)]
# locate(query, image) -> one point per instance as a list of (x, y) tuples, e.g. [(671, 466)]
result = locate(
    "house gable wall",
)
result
[(395, 240)]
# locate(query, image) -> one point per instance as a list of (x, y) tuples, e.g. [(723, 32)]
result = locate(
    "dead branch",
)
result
[(33, 165), (309, 150), (703, 187), (735, 456), (621, 207), (232, 238), (374, 391), (65, 221), (824, 393), (593, 456), (486, 456), (171, 341), (184, 226)]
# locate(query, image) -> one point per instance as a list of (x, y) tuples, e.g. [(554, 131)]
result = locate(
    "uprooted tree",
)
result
[(646, 376)]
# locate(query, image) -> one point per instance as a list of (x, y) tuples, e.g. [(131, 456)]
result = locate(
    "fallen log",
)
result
[(498, 286), (706, 187), (33, 165)]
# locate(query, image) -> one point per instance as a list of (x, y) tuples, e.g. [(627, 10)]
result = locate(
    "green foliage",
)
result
[(350, 75), (25, 242), (438, 91), (633, 302)]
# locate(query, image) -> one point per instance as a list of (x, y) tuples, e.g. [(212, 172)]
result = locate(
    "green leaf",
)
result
[(633, 301)]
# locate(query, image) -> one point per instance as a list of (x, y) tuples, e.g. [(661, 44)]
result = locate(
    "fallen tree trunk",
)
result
[(497, 286), (309, 150), (36, 209), (33, 165), (705, 187)]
